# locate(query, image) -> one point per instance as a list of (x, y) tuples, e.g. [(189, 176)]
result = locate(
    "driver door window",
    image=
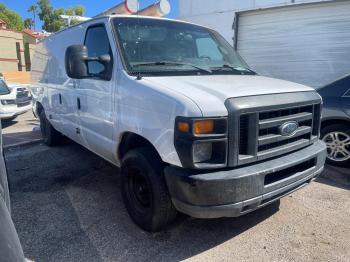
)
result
[(97, 42)]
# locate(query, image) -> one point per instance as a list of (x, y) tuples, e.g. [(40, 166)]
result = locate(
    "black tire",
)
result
[(51, 136), (325, 136), (144, 190)]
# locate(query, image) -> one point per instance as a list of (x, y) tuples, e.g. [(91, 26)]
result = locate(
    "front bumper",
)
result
[(234, 192)]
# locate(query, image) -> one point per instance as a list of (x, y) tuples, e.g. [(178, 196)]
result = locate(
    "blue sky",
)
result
[(93, 7)]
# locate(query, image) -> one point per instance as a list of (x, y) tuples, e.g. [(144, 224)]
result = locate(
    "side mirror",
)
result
[(75, 61), (104, 59)]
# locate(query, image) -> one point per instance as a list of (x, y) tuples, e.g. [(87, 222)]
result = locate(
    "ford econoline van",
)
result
[(192, 127)]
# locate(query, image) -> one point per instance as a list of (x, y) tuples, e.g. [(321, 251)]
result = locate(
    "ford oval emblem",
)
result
[(289, 128)]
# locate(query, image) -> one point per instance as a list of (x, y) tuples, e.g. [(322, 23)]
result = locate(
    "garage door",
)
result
[(308, 44)]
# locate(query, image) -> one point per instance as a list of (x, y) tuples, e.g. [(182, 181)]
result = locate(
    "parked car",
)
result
[(16, 101), (335, 130), (10, 246), (191, 126)]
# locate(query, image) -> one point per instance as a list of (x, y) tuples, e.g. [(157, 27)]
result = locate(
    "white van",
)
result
[(191, 126)]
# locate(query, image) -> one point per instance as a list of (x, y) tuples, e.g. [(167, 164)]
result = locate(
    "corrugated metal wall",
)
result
[(219, 14), (308, 44)]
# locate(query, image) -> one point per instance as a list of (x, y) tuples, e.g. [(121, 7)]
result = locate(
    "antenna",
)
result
[(139, 76)]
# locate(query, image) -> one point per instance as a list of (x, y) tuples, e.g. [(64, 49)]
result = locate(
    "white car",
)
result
[(191, 126), (18, 100)]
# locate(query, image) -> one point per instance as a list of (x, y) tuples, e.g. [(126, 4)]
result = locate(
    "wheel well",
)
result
[(334, 122), (132, 141), (39, 107)]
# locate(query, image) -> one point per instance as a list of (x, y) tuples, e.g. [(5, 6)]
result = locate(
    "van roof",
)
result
[(122, 16)]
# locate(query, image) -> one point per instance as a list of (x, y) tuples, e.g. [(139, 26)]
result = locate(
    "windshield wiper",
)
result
[(232, 68), (165, 63)]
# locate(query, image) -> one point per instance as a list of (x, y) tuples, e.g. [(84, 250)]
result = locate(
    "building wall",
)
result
[(8, 55), (219, 15), (9, 62), (29, 39)]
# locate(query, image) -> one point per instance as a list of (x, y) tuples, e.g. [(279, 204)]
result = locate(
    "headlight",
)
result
[(202, 151), (201, 142), (8, 102)]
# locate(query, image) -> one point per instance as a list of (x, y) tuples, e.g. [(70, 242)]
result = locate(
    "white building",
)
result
[(302, 41)]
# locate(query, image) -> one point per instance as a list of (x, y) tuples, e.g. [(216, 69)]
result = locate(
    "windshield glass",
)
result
[(155, 46), (4, 90)]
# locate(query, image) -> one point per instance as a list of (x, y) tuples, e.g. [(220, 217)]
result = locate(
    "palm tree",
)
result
[(33, 9), (28, 23)]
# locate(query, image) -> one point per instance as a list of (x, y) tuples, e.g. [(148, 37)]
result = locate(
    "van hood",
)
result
[(210, 92)]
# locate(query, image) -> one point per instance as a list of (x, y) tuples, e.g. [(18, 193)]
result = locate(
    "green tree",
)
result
[(14, 20), (28, 23), (51, 17), (33, 9), (79, 10)]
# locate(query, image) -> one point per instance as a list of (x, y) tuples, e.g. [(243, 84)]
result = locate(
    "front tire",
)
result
[(144, 190), (51, 136), (337, 139)]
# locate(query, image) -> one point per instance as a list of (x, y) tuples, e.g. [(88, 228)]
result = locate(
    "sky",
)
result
[(92, 7)]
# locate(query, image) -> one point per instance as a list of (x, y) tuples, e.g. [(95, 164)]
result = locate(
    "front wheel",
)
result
[(51, 136), (337, 139), (144, 190)]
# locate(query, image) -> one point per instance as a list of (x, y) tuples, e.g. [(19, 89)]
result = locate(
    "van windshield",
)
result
[(164, 47), (4, 90)]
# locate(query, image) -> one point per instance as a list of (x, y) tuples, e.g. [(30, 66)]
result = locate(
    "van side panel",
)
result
[(150, 112), (58, 90)]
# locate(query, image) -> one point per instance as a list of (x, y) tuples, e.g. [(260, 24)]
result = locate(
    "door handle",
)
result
[(78, 103), (60, 98)]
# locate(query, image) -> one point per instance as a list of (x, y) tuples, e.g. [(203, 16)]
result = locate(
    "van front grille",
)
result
[(270, 141), (263, 127)]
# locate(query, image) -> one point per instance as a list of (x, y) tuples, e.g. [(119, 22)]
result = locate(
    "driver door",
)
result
[(95, 95)]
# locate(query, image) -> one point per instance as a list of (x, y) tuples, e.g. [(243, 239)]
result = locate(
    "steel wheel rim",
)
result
[(338, 146), (139, 191)]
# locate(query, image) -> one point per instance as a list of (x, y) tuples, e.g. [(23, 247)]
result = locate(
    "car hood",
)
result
[(210, 92)]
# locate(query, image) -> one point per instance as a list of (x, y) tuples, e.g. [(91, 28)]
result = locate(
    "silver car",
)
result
[(335, 131)]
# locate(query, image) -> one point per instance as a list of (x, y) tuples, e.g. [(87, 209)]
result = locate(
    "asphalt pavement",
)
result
[(24, 128), (66, 205)]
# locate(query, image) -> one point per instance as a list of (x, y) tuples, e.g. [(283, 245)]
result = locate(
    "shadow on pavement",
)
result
[(67, 206), (8, 122), (335, 176), (20, 137)]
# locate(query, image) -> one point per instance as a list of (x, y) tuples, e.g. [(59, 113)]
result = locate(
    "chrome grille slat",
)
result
[(273, 122), (273, 138)]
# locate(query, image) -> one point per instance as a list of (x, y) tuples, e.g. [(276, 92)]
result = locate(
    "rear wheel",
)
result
[(144, 190), (51, 136), (337, 139)]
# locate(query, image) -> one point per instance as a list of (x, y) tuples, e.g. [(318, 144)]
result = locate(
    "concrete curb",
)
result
[(26, 143)]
